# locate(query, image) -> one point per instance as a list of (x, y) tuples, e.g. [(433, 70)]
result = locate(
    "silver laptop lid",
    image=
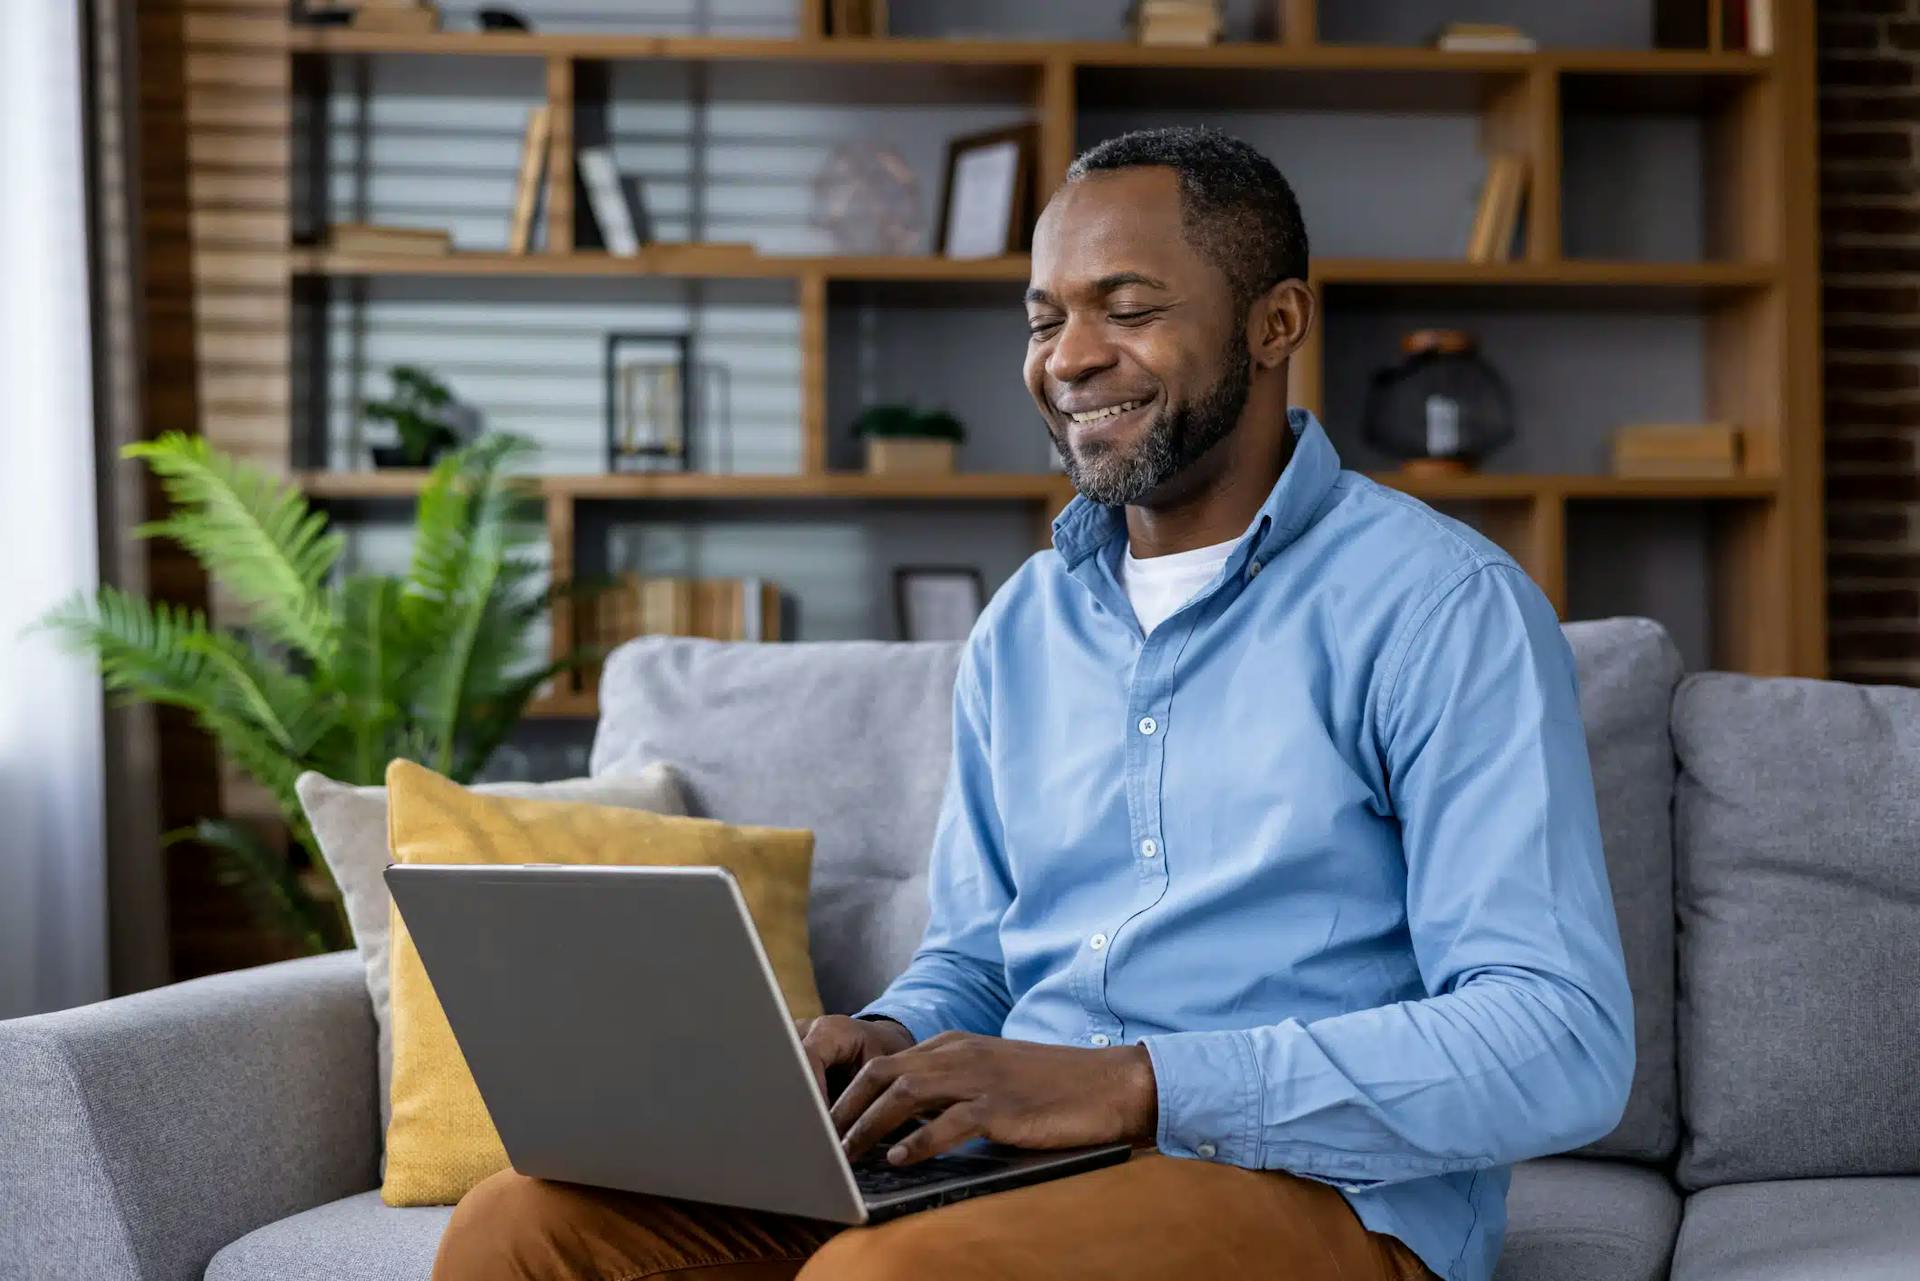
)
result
[(626, 1030)]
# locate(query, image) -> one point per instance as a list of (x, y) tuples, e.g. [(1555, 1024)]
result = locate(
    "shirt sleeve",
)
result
[(1524, 1044), (957, 980)]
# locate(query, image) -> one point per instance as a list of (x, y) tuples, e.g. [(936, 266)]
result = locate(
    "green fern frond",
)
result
[(253, 533)]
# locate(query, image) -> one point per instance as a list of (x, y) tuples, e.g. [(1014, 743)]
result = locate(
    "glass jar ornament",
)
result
[(1442, 409)]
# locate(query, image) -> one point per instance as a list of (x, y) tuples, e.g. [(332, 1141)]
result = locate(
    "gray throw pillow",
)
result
[(351, 825), (1798, 826)]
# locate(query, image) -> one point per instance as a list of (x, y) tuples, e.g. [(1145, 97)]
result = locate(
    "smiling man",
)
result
[(1269, 844)]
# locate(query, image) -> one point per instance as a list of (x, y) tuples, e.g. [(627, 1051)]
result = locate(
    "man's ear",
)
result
[(1279, 322)]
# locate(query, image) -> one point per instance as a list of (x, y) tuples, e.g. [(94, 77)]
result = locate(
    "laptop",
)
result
[(626, 1031)]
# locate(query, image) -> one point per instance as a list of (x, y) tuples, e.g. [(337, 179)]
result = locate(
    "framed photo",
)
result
[(937, 602), (985, 200), (650, 402)]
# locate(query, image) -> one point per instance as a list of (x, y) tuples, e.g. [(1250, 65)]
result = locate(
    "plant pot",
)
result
[(391, 457), (909, 456)]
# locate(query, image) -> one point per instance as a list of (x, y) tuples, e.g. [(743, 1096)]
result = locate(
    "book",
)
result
[(1677, 450), (1483, 37), (370, 238), (608, 201), (395, 15), (1497, 216), (1759, 26), (533, 167)]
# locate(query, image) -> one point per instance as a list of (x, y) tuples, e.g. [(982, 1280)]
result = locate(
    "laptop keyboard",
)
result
[(875, 1178)]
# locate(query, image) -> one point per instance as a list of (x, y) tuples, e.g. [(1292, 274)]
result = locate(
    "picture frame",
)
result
[(987, 194), (650, 401), (937, 602)]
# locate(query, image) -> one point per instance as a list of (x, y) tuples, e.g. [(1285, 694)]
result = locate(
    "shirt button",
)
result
[(1149, 847), (1148, 725), (1253, 570), (1100, 1038), (1206, 1151), (1097, 942)]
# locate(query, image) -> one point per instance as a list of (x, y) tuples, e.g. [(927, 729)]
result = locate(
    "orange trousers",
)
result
[(1153, 1218)]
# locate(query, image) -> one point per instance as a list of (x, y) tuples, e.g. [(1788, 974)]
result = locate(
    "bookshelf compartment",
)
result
[(1651, 560), (1574, 374), (962, 354), (527, 357), (1669, 182), (1332, 159), (833, 564)]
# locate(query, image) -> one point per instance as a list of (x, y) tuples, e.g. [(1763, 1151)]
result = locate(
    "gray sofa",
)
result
[(1764, 844)]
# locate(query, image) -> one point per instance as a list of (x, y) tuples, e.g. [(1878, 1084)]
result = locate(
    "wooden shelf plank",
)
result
[(326, 262), (964, 486), (1013, 486), (975, 52), (1497, 487), (1570, 274)]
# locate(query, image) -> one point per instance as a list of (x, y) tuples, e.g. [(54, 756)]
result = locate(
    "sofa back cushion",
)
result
[(1798, 844), (850, 740), (1628, 668)]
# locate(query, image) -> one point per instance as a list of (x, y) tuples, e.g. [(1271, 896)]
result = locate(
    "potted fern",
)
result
[(417, 411), (334, 673)]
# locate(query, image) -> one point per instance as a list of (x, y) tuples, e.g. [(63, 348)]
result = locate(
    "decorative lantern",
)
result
[(1442, 408)]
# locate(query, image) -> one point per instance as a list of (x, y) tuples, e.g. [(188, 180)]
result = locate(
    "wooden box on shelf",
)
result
[(1677, 450), (909, 456)]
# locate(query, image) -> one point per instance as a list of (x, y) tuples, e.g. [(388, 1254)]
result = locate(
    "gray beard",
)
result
[(1177, 438)]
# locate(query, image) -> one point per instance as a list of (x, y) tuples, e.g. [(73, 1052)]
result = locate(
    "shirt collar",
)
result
[(1085, 527)]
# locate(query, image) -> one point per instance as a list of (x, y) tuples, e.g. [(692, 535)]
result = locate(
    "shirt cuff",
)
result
[(1210, 1094), (920, 1021)]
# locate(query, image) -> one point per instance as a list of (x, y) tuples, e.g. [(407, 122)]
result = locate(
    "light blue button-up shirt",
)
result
[(1324, 842)]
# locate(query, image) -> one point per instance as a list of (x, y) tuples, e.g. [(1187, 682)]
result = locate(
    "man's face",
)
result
[(1137, 354)]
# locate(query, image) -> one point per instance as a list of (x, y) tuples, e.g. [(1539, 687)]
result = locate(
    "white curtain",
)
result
[(52, 827)]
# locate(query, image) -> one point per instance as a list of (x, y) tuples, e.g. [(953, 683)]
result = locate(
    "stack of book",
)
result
[(1177, 22), (737, 609), (396, 15), (370, 238), (1498, 215), (1677, 450), (1483, 37)]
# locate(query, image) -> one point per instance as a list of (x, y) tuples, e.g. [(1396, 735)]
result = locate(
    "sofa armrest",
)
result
[(138, 1136)]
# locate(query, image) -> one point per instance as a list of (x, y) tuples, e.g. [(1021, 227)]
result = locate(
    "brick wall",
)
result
[(1870, 265)]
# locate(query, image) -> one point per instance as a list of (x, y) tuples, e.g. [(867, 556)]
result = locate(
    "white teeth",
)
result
[(1098, 415)]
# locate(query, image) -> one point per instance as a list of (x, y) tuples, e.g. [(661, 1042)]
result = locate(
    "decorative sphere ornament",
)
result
[(866, 198)]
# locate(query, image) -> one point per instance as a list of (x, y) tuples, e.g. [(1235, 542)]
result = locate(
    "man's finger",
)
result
[(828, 1046), (964, 1120), (869, 1083), (902, 1101)]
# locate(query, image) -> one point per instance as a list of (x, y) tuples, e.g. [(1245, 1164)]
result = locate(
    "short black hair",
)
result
[(1235, 204)]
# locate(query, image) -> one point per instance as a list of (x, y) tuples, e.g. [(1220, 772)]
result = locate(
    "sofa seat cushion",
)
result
[(359, 1238), (1802, 1230), (1575, 1219)]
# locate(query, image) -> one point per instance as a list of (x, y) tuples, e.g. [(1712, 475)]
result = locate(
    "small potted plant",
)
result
[(902, 440), (418, 411)]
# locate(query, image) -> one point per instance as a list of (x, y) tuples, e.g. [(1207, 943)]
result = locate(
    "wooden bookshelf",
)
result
[(1757, 289)]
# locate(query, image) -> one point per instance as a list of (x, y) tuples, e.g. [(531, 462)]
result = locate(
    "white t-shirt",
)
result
[(1159, 585)]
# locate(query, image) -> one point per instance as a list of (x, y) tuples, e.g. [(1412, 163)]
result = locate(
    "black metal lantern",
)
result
[(1442, 408)]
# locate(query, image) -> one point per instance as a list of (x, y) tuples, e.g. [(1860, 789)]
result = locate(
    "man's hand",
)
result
[(1014, 1092), (837, 1042)]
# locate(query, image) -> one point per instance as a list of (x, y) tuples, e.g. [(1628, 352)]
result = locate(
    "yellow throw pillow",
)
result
[(441, 1141)]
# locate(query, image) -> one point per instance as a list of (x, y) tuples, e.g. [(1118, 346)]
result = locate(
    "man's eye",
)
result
[(1130, 317), (1041, 328)]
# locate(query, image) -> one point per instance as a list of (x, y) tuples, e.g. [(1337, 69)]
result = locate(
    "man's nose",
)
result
[(1080, 349)]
